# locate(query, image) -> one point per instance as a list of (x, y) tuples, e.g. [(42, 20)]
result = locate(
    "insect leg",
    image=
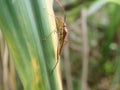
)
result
[(55, 64), (49, 35)]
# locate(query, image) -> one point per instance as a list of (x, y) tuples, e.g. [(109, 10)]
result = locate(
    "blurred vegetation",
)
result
[(103, 34)]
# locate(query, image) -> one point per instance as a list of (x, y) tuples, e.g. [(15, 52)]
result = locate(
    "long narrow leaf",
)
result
[(24, 24)]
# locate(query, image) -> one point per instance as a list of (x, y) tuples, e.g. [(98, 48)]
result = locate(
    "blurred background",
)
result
[(90, 58)]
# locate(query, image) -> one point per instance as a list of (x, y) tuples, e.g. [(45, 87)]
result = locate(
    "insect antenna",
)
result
[(61, 6)]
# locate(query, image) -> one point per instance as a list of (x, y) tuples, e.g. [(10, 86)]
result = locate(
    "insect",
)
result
[(61, 32)]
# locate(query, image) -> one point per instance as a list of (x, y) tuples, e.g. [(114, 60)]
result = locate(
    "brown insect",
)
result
[(61, 32)]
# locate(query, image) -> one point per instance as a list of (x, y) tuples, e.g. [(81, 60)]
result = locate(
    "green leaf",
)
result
[(113, 1), (24, 24)]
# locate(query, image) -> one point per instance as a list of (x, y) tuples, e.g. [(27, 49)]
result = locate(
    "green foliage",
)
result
[(109, 67), (113, 1), (111, 31), (24, 24)]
